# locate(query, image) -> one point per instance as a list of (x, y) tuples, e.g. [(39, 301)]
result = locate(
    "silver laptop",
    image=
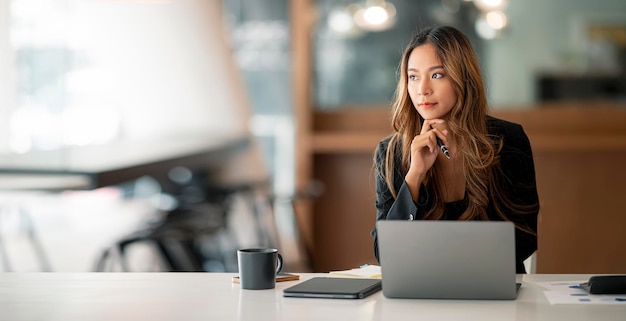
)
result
[(447, 259)]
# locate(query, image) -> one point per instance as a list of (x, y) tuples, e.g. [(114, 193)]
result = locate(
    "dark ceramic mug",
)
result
[(258, 268)]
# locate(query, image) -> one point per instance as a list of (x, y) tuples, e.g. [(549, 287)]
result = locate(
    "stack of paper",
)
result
[(366, 271)]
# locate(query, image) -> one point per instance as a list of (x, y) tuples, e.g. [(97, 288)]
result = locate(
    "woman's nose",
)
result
[(423, 88)]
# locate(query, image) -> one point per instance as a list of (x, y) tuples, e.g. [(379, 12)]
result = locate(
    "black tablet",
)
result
[(334, 288)]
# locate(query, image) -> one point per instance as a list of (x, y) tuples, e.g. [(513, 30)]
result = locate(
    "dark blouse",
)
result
[(518, 180)]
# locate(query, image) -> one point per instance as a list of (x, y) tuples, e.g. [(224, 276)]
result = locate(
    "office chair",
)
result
[(195, 236), (27, 228)]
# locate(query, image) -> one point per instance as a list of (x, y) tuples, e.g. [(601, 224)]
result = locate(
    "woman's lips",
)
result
[(427, 105)]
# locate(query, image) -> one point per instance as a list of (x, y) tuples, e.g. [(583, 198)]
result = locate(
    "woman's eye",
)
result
[(412, 77), (437, 75)]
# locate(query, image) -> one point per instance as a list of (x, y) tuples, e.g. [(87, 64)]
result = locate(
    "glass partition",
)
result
[(358, 45), (530, 51)]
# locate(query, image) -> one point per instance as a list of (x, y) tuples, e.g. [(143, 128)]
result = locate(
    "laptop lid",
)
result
[(334, 288), (447, 259)]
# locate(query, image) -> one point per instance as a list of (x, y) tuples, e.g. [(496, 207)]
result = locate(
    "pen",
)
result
[(443, 147)]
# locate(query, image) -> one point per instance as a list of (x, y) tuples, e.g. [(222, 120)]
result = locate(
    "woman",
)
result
[(489, 175)]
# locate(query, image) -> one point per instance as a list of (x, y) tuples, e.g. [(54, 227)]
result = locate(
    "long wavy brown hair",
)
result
[(467, 121)]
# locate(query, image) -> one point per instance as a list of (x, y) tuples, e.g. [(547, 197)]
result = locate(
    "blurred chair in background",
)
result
[(198, 226), (13, 210)]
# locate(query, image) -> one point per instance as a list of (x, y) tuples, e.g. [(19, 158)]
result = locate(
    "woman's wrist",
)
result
[(413, 181), (413, 177)]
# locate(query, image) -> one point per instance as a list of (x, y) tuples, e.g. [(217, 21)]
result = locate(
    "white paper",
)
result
[(569, 292), (369, 271)]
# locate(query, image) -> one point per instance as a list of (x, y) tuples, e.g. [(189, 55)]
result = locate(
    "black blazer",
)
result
[(518, 179)]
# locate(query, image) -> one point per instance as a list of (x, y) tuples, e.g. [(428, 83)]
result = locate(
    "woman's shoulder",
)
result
[(503, 127), (383, 144), (513, 134), (385, 141), (506, 129)]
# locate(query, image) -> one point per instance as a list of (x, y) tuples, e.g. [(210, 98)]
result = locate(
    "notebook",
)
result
[(334, 288), (447, 259)]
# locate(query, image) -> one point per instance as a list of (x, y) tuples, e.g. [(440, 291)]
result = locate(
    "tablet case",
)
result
[(334, 288)]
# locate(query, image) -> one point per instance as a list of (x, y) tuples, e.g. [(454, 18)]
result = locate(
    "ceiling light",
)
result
[(484, 30), (496, 19), (488, 5), (340, 21), (376, 16)]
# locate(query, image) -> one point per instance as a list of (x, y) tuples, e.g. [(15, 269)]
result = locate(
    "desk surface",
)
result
[(212, 296)]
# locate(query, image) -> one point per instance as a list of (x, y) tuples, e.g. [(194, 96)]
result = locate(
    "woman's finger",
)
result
[(426, 126), (426, 140)]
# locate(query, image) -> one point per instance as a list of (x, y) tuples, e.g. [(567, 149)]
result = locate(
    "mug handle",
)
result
[(280, 263)]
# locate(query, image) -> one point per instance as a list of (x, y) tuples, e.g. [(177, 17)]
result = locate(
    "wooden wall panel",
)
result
[(345, 213), (583, 211), (580, 160)]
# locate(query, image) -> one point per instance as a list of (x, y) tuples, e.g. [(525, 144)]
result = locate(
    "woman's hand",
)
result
[(424, 152)]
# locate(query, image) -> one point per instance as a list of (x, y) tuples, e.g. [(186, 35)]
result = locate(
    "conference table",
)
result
[(213, 296), (94, 166)]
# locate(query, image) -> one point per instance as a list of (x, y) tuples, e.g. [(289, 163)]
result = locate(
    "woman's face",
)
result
[(429, 86)]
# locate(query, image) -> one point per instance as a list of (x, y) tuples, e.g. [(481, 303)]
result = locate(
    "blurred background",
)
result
[(162, 135)]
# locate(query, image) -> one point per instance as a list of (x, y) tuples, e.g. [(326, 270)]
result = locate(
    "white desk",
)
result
[(212, 296)]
